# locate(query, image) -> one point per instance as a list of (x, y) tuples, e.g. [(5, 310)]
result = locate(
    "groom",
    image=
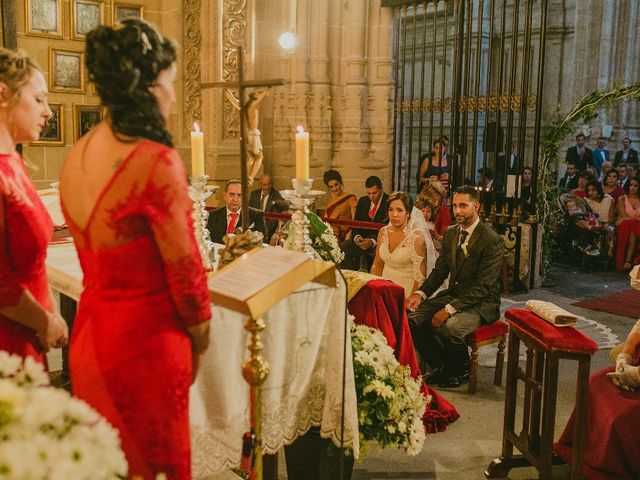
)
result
[(472, 253)]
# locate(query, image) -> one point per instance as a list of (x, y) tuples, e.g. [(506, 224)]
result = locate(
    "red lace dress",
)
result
[(144, 283), (25, 231)]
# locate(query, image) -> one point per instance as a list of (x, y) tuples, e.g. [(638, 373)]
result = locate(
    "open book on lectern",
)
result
[(260, 278)]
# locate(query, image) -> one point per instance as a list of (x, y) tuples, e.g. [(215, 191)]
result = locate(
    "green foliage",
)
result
[(547, 193)]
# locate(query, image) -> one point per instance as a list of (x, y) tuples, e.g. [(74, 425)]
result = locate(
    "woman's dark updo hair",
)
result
[(404, 197), (332, 175), (123, 62)]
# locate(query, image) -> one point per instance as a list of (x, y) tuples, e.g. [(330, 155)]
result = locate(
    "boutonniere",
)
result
[(464, 249)]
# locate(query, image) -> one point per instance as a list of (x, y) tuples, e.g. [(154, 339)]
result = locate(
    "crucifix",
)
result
[(255, 369), (248, 114)]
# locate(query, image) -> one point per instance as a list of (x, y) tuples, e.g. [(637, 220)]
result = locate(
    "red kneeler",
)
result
[(486, 335)]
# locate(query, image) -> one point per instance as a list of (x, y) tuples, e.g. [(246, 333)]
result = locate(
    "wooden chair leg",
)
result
[(497, 376), (473, 369)]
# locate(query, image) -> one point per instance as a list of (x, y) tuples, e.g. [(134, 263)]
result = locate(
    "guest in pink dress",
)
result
[(628, 227), (29, 323)]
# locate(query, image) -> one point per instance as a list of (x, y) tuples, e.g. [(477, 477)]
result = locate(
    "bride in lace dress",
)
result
[(405, 252)]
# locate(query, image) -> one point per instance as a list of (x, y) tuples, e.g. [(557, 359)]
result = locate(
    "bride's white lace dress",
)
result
[(413, 258)]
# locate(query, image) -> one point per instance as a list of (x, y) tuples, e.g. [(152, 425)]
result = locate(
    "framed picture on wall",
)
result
[(43, 18), (126, 10), (66, 71), (85, 16), (53, 131), (85, 117)]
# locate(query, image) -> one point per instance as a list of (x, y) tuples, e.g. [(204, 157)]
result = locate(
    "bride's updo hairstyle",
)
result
[(123, 62), (404, 197)]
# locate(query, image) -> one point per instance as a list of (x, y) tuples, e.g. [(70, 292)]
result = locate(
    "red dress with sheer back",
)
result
[(144, 283), (25, 231)]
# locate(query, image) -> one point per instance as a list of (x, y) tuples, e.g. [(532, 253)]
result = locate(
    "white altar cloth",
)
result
[(303, 344)]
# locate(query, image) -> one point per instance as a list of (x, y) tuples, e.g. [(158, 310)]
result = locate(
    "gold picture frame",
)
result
[(66, 70), (125, 10), (43, 18), (85, 117), (85, 16), (53, 132)]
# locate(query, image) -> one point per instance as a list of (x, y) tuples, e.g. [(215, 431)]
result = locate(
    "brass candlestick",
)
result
[(199, 191), (300, 198)]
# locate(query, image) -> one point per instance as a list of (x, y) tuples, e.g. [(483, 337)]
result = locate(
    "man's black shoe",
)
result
[(435, 376)]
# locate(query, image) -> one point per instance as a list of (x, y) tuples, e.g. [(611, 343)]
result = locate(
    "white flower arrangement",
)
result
[(324, 242), (390, 403), (47, 434)]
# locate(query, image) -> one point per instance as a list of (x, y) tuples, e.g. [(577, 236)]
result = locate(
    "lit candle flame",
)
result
[(196, 127), (300, 129)]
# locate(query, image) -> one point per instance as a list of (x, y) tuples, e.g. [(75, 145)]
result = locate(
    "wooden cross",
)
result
[(241, 84)]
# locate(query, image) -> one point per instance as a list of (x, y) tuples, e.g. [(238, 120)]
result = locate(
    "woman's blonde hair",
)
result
[(16, 68)]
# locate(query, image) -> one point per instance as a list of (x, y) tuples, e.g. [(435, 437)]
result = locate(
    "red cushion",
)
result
[(490, 330), (566, 339)]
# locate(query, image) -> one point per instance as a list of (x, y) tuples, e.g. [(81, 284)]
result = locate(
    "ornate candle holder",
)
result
[(300, 198), (199, 191)]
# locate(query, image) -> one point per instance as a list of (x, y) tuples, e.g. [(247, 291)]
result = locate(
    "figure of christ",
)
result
[(252, 135)]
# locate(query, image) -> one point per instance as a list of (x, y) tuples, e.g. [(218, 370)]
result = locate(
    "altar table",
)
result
[(303, 343)]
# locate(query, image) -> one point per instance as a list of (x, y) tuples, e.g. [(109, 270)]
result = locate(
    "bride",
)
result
[(405, 252)]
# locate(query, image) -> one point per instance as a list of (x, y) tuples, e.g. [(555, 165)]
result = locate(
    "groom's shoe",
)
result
[(434, 376), (453, 381)]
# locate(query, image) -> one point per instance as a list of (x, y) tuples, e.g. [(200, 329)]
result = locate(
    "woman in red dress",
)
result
[(29, 324), (142, 321)]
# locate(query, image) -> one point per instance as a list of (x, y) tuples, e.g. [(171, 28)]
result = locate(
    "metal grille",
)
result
[(470, 71)]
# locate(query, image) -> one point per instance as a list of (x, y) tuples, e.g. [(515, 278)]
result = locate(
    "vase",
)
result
[(311, 457)]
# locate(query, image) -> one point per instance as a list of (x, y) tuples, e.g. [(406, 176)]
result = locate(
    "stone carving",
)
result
[(234, 23), (192, 74)]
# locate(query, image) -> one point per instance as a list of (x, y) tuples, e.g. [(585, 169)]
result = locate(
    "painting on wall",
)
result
[(43, 18), (65, 71), (85, 117), (53, 131), (123, 10), (85, 16)]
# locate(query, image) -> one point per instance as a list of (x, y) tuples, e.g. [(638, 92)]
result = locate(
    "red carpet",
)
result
[(625, 303)]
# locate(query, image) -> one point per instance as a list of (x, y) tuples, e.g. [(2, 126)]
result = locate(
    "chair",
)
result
[(486, 335)]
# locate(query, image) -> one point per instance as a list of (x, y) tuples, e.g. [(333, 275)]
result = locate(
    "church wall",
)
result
[(44, 161)]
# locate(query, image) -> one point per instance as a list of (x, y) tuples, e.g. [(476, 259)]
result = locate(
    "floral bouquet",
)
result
[(390, 403), (323, 240), (47, 434)]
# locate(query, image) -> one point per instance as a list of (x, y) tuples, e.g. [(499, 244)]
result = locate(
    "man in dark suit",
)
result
[(229, 218), (579, 154), (472, 254), (623, 176), (361, 247), (263, 199), (570, 179), (627, 154)]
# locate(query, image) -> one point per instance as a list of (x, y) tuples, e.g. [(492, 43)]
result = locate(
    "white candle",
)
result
[(302, 154), (197, 151)]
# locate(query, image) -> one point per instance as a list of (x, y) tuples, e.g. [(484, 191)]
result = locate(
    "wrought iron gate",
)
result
[(470, 73)]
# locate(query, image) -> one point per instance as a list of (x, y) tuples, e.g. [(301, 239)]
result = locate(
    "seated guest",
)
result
[(361, 247), (633, 170), (627, 154), (610, 185), (401, 253), (341, 206), (264, 199), (570, 179), (229, 218), (434, 166), (606, 168), (611, 439), (628, 230), (472, 255), (435, 195), (603, 206), (427, 213), (581, 189), (623, 176)]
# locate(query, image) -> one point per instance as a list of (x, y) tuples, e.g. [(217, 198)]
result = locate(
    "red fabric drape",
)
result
[(380, 304)]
